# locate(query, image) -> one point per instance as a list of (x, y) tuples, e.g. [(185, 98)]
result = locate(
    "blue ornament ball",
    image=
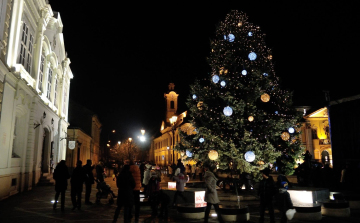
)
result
[(250, 34), (194, 97), (228, 111), (215, 79), (244, 72), (231, 38), (201, 140), (223, 83), (188, 153), (252, 56), (265, 74), (249, 156)]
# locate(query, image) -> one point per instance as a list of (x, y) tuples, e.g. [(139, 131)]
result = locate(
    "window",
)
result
[(172, 104), (49, 83), (55, 92), (26, 48), (41, 72)]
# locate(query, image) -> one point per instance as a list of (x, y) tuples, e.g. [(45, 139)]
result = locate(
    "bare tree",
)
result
[(125, 151)]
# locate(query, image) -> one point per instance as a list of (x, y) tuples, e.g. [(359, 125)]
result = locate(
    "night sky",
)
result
[(124, 55)]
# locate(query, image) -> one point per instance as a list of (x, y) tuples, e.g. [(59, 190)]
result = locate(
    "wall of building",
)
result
[(34, 92)]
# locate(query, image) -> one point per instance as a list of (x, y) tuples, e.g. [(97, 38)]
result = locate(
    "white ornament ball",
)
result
[(194, 97), (291, 130), (213, 154), (223, 83), (244, 72), (188, 153), (249, 156), (201, 140), (252, 56), (250, 34), (228, 111), (265, 74), (215, 79)]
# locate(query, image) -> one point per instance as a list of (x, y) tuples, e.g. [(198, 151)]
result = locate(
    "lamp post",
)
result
[(129, 152), (173, 122)]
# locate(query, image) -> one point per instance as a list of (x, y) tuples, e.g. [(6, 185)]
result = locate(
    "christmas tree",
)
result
[(241, 117)]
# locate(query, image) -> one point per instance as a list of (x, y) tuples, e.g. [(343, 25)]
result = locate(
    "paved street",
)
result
[(35, 206)]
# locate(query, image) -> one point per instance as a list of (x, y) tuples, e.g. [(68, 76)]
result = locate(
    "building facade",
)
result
[(34, 90), (84, 131), (161, 150)]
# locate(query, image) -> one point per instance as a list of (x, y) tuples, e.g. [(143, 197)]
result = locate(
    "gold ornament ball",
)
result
[(285, 136), (265, 97), (251, 118), (213, 154)]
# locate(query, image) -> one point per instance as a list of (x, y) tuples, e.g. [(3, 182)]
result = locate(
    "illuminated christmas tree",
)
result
[(241, 116)]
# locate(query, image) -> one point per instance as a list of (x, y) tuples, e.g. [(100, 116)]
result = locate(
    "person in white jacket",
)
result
[(181, 180), (147, 176)]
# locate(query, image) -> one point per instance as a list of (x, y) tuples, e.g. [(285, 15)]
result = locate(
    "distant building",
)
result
[(161, 151), (34, 92), (84, 131)]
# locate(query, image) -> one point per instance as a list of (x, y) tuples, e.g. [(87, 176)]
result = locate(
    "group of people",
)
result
[(193, 171), (80, 175)]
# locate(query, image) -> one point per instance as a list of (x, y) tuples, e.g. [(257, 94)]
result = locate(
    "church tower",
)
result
[(171, 99)]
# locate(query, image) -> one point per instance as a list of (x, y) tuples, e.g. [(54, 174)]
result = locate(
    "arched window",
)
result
[(172, 104)]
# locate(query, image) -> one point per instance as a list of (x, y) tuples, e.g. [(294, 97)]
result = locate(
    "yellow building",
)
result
[(316, 135), (161, 151)]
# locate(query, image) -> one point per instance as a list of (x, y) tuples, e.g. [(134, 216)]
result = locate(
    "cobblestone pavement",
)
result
[(35, 206)]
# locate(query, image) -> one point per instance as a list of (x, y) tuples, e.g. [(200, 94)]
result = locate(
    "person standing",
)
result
[(283, 199), (180, 183), (211, 196), (266, 192), (153, 188), (77, 181), (100, 172), (89, 180), (135, 171), (126, 184), (61, 176), (147, 176)]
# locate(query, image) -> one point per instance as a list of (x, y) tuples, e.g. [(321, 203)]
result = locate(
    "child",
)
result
[(180, 181), (283, 200), (153, 188)]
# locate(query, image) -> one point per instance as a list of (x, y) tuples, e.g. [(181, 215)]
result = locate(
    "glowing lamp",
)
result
[(213, 154), (249, 156), (265, 97), (251, 118), (228, 111), (285, 136)]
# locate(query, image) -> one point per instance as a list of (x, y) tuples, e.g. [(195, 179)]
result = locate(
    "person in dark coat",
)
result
[(211, 196), (77, 181), (61, 176), (284, 202), (125, 183), (181, 166), (100, 172), (89, 180), (153, 192), (266, 192)]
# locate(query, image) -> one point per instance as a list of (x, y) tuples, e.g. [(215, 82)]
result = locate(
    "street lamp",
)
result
[(173, 121), (142, 137)]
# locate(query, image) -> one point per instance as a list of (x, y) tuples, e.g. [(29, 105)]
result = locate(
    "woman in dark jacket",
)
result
[(61, 176), (125, 183)]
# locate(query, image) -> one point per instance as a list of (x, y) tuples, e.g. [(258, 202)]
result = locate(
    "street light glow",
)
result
[(142, 138), (142, 131), (119, 142), (130, 139)]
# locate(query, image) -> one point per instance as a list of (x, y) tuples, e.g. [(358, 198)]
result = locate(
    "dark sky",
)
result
[(124, 55)]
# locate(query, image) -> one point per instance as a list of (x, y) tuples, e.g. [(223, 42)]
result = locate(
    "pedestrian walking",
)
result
[(89, 180), (211, 196), (283, 199), (126, 184), (147, 176), (61, 176), (100, 172), (266, 192), (77, 181), (135, 171), (180, 183)]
